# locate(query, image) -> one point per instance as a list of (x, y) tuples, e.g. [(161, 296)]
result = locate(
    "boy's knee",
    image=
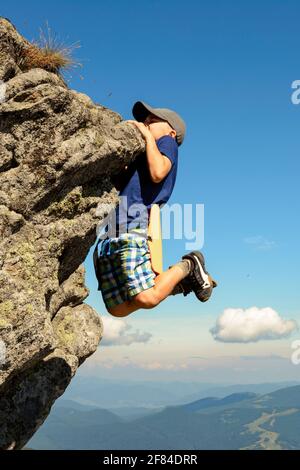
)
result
[(119, 310), (146, 299)]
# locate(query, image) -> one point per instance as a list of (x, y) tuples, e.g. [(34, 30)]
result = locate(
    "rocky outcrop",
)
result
[(59, 152)]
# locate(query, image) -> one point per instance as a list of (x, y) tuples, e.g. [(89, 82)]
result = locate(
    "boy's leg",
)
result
[(149, 298)]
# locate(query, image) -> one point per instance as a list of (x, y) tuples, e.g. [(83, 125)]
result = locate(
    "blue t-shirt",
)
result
[(140, 189)]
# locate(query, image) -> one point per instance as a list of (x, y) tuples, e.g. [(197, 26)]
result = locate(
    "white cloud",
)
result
[(115, 333), (157, 365), (237, 325), (260, 243)]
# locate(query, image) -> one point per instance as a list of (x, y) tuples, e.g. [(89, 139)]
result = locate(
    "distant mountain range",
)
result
[(243, 420), (114, 394), (210, 402)]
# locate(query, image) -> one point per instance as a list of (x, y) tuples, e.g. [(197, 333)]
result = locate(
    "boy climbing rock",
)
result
[(123, 263)]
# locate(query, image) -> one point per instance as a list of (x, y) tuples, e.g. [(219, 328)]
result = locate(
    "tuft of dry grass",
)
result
[(49, 53)]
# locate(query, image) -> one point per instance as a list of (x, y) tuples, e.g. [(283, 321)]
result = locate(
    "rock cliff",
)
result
[(59, 152)]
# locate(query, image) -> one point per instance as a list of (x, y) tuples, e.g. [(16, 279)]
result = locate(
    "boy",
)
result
[(123, 265)]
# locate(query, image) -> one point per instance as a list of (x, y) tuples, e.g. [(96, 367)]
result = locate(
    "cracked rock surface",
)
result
[(59, 152)]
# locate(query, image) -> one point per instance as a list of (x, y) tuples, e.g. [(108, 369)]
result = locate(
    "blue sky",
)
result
[(227, 68)]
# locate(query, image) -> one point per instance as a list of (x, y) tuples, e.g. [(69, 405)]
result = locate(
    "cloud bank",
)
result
[(260, 243), (237, 325), (116, 333)]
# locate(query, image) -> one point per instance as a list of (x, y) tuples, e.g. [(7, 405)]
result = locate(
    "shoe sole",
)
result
[(204, 274), (195, 255)]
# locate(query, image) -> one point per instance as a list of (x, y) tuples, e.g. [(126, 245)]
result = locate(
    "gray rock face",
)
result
[(59, 152)]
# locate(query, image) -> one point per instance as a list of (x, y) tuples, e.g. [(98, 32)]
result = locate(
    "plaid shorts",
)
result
[(124, 268)]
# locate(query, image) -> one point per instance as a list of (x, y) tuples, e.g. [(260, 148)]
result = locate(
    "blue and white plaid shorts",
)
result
[(124, 268)]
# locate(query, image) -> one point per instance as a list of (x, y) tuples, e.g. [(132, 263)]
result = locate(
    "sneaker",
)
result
[(185, 286), (199, 279)]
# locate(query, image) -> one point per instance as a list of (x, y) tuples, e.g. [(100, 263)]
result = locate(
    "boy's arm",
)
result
[(159, 165)]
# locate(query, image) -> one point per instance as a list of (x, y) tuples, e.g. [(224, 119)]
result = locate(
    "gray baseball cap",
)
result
[(141, 110)]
